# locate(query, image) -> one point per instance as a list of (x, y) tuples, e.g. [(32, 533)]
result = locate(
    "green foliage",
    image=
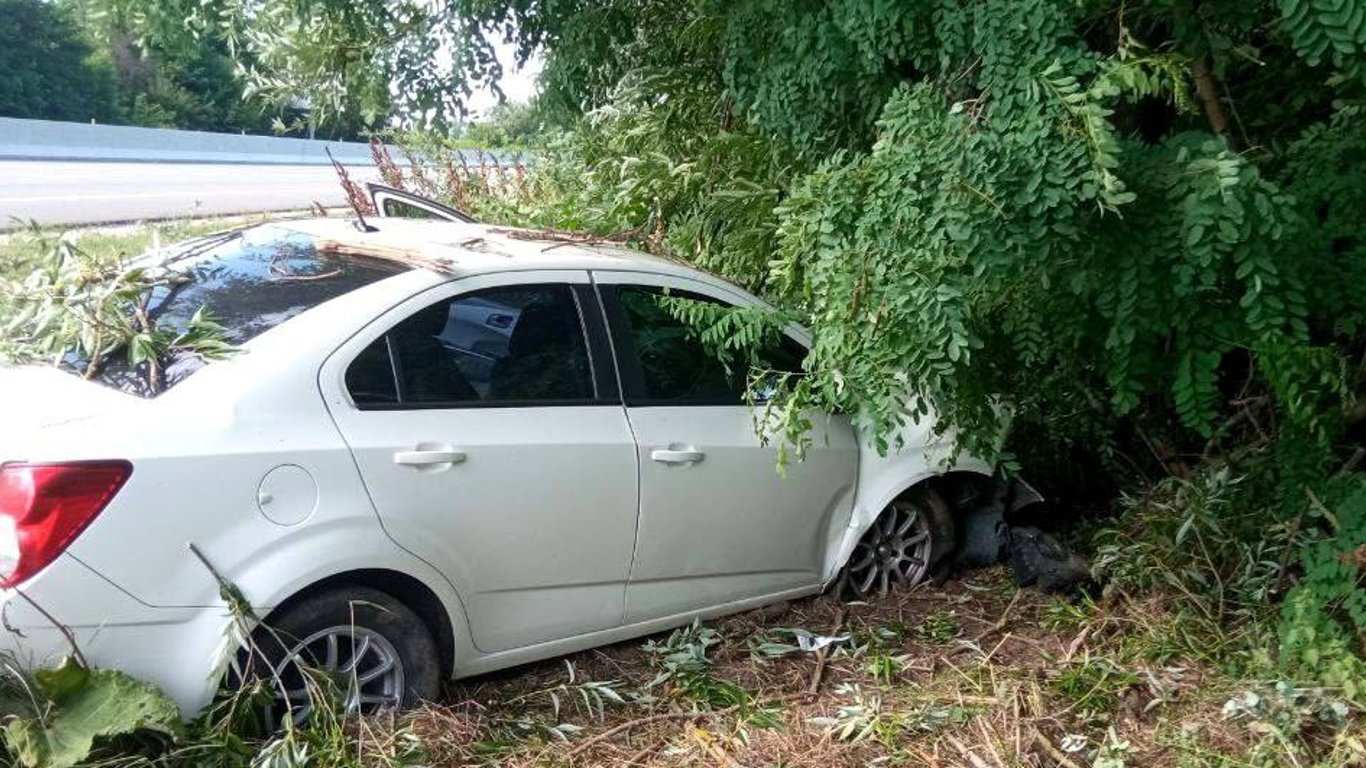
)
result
[(1287, 719), (1135, 229), (1206, 539), (82, 705), (938, 626), (508, 126), (864, 716), (1333, 30), (1094, 684), (1324, 618), (77, 309), (681, 662), (587, 697), (47, 70)]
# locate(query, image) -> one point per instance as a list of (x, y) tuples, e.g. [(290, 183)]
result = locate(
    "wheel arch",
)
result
[(407, 589), (970, 476)]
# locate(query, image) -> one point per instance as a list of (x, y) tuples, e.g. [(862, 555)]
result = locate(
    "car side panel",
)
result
[(200, 453)]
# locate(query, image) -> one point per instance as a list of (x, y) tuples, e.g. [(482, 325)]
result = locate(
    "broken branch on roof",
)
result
[(413, 256), (566, 236)]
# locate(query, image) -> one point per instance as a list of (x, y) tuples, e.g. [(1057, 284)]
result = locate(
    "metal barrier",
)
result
[(51, 140)]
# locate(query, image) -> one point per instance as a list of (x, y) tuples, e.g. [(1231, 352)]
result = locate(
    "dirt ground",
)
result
[(971, 673)]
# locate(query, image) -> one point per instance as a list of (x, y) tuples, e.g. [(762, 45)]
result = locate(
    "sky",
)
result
[(518, 85)]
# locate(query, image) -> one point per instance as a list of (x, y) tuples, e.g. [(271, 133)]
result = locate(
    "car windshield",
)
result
[(248, 281)]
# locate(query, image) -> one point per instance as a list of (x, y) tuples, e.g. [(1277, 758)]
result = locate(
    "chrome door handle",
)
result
[(670, 456), (427, 458)]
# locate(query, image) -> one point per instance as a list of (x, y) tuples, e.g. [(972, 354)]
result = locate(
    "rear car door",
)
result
[(486, 421), (718, 523)]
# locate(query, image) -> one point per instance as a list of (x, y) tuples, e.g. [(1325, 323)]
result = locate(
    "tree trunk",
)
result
[(1208, 93)]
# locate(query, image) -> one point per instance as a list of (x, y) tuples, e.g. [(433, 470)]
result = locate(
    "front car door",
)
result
[(485, 418), (718, 523), (395, 203)]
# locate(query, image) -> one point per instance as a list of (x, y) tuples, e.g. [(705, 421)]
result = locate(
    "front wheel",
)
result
[(904, 547), (358, 648)]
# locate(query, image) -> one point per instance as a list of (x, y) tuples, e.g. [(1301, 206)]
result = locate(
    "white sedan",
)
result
[(442, 449)]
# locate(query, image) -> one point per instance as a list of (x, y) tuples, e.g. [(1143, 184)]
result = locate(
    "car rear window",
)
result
[(249, 282)]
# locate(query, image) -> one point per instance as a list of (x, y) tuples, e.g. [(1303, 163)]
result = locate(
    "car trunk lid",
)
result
[(36, 397)]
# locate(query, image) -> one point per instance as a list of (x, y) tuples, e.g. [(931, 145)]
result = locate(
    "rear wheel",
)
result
[(905, 546), (357, 648)]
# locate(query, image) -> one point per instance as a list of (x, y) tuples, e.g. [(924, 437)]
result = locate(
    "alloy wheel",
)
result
[(363, 666), (895, 552)]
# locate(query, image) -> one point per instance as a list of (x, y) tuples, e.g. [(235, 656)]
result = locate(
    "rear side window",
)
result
[(250, 283), (517, 345)]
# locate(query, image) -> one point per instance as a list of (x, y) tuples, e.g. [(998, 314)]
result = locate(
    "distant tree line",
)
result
[(78, 60)]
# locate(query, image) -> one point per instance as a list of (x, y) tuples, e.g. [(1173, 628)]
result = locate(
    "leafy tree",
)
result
[(1135, 225), (47, 70), (508, 125)]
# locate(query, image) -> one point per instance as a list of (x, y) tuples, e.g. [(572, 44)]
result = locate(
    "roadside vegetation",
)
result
[(1138, 227)]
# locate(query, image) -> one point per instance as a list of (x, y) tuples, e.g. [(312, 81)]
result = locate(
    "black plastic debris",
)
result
[(1038, 559)]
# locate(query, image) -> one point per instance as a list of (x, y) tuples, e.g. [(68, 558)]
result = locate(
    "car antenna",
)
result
[(353, 195)]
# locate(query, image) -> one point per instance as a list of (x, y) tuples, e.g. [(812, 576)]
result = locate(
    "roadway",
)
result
[(61, 193)]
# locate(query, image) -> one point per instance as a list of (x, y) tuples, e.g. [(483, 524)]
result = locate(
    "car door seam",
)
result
[(635, 438)]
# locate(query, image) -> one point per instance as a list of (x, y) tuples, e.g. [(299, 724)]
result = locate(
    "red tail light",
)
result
[(44, 507)]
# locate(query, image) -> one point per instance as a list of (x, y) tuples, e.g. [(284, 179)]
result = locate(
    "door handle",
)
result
[(427, 458), (671, 456)]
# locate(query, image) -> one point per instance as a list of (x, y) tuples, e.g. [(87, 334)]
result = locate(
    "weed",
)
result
[(883, 666), (939, 626), (681, 661), (1064, 614), (1093, 684), (862, 717), (588, 697)]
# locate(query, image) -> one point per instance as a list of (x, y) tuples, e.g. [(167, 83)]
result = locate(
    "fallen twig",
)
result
[(1000, 624), (968, 754), (1073, 646), (823, 654), (64, 629), (708, 744), (565, 236), (639, 721)]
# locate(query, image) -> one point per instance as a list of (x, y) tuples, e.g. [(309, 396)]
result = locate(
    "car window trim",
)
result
[(603, 395), (606, 376)]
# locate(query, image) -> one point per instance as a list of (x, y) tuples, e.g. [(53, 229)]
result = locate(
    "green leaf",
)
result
[(88, 705)]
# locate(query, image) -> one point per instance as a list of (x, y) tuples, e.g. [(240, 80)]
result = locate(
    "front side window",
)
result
[(674, 366), (511, 345)]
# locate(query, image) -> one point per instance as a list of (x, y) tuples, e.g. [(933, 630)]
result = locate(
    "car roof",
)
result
[(459, 248)]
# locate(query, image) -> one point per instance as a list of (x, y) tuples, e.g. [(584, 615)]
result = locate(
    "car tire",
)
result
[(909, 543), (380, 654)]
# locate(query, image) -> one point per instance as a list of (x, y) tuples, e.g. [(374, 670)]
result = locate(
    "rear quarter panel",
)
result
[(199, 454)]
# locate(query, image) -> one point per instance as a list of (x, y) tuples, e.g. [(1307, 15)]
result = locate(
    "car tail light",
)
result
[(44, 507)]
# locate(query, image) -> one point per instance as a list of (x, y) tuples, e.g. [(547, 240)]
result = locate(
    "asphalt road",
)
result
[(95, 193)]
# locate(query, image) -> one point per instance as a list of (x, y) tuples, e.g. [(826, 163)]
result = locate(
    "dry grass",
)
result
[(971, 673)]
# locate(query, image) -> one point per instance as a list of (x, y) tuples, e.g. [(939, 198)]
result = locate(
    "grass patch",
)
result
[(17, 248)]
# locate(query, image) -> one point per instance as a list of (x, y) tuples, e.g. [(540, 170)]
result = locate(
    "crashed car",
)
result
[(440, 449)]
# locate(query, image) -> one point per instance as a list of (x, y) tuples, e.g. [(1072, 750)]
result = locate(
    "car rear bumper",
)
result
[(69, 609)]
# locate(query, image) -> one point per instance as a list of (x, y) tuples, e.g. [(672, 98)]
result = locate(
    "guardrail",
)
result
[(51, 140)]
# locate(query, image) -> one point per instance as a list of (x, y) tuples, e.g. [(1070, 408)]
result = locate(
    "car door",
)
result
[(718, 522), (395, 203), (485, 418)]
